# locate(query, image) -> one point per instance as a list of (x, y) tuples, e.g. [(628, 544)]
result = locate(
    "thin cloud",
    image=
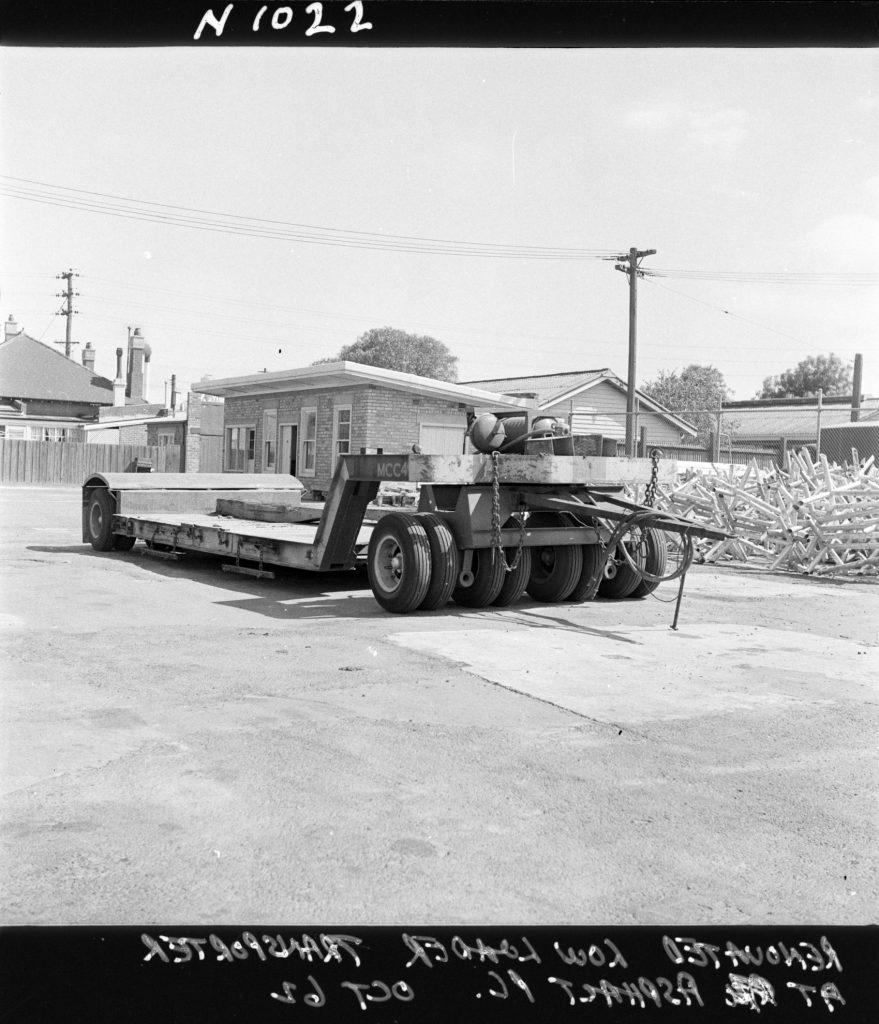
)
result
[(724, 128)]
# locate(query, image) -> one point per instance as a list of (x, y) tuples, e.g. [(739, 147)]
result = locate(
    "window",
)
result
[(166, 437), (342, 432), (14, 432), (240, 449), (309, 441), (53, 433), (269, 439)]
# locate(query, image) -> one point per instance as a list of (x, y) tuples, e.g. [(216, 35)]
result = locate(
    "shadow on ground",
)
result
[(298, 594)]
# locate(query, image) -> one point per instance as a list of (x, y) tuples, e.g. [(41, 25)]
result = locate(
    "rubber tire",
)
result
[(556, 581), (123, 543), (591, 564), (445, 562), (488, 578), (99, 520), (399, 535), (515, 581), (655, 563), (622, 584)]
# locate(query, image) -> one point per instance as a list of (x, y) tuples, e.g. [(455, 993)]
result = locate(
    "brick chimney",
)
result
[(88, 357), (10, 328), (119, 382), (135, 383)]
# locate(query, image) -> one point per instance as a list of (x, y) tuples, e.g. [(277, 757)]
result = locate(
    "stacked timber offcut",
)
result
[(807, 517)]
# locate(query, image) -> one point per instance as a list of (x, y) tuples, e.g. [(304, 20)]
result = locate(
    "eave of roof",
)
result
[(347, 374)]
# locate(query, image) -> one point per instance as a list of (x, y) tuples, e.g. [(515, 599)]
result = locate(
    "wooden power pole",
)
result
[(68, 309), (629, 265)]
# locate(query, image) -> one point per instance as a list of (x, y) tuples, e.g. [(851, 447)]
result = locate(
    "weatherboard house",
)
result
[(593, 402), (299, 421)]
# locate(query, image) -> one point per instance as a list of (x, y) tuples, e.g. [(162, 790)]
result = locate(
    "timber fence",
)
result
[(70, 462)]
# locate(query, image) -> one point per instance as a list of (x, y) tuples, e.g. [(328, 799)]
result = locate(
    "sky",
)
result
[(753, 173)]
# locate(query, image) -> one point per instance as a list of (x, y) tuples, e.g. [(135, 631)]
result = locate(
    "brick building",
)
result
[(298, 421)]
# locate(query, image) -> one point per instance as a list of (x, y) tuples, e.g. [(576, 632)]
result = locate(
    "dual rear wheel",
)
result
[(414, 564)]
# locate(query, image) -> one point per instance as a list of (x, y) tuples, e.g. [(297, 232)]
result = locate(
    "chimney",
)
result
[(88, 357), (10, 328), (119, 382), (136, 345)]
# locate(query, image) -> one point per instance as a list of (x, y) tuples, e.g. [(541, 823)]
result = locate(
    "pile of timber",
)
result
[(806, 517)]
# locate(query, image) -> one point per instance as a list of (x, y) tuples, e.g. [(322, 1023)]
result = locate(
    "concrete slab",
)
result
[(635, 675)]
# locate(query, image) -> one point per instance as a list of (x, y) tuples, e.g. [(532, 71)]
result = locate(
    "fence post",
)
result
[(818, 431)]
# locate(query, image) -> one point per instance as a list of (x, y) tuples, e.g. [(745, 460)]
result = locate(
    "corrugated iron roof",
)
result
[(31, 370), (790, 421), (547, 386)]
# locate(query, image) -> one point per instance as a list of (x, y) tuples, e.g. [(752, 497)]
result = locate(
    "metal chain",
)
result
[(496, 519), (650, 492)]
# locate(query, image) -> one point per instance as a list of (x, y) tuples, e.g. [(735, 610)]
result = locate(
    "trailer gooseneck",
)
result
[(489, 527)]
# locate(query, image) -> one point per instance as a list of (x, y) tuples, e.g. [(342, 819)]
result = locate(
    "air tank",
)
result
[(490, 433)]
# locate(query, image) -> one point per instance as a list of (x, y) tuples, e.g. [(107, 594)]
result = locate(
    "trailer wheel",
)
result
[(555, 568), (488, 578), (655, 562), (398, 562), (101, 509), (591, 562), (444, 562), (620, 579), (515, 581), (123, 543)]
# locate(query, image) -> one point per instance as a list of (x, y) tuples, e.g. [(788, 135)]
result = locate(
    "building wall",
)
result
[(28, 429), (380, 418)]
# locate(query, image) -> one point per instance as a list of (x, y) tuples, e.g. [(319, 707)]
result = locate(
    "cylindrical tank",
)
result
[(489, 433)]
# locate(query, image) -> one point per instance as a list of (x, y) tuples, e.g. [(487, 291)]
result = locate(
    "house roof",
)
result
[(118, 422), (548, 387), (790, 417), (344, 374), (553, 388), (31, 370)]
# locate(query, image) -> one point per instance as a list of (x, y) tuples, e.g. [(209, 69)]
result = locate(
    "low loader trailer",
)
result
[(489, 527)]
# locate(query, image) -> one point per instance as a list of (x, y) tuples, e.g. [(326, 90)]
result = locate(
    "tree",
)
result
[(394, 349), (697, 392), (827, 373)]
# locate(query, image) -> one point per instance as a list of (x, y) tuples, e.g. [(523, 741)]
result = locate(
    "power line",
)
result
[(767, 277), (711, 305), (261, 227)]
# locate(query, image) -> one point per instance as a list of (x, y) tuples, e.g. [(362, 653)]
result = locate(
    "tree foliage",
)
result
[(695, 393), (828, 374), (394, 349)]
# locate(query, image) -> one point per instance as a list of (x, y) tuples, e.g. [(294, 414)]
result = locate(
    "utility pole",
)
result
[(68, 309), (633, 259)]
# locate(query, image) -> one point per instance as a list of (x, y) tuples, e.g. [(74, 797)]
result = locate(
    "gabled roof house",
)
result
[(43, 394), (594, 402)]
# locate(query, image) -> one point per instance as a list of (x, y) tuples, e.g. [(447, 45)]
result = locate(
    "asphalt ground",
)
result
[(185, 745)]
